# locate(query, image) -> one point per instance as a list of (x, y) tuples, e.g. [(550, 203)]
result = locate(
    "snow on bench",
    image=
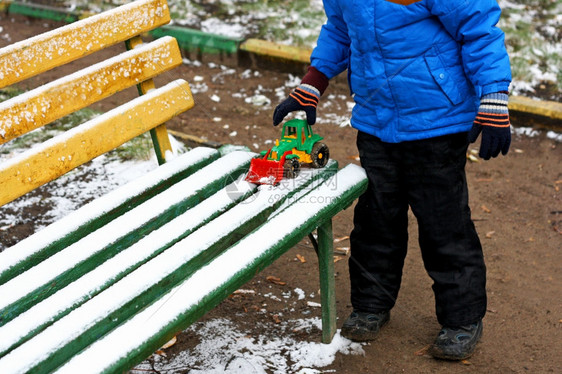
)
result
[(69, 263)]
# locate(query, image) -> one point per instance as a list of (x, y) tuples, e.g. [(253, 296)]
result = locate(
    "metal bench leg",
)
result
[(327, 280)]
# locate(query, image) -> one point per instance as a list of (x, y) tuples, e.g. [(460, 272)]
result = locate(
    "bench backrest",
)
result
[(66, 95)]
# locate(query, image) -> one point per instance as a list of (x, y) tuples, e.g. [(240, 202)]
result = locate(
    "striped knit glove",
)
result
[(493, 121), (305, 97)]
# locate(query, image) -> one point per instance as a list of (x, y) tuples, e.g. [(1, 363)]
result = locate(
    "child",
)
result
[(428, 77)]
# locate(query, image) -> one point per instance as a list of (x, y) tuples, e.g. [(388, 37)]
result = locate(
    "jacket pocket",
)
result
[(442, 76)]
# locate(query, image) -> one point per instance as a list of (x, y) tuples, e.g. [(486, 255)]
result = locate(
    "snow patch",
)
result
[(228, 348)]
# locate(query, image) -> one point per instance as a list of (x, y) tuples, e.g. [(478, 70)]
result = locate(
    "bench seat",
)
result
[(56, 308)]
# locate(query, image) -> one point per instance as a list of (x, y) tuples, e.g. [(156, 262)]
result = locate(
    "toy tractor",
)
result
[(298, 144)]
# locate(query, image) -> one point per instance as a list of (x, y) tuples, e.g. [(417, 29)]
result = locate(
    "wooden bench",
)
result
[(102, 288)]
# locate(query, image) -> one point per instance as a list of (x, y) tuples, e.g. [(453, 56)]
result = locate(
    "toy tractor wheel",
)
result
[(320, 155), (291, 168)]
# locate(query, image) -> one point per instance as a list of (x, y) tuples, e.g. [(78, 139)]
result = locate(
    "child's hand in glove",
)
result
[(493, 121), (305, 97)]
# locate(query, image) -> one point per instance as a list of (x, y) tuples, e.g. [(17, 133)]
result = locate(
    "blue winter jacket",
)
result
[(416, 71)]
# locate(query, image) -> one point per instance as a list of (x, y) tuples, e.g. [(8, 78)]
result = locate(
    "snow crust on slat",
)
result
[(92, 282), (66, 259), (69, 327), (329, 180), (12, 256), (14, 116), (120, 342), (87, 36)]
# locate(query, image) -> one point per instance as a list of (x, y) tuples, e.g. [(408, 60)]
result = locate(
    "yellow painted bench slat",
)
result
[(33, 56), (271, 49), (57, 156), (47, 103)]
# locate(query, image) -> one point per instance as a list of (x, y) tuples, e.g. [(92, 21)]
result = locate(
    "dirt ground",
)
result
[(516, 206)]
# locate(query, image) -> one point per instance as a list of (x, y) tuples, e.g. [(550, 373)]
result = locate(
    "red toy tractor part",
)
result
[(265, 171)]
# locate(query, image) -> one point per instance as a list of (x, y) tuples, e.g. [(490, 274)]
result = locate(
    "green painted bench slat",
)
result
[(152, 327), (70, 263), (98, 212)]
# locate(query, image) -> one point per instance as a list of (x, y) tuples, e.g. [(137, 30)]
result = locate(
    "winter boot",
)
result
[(363, 326), (456, 343)]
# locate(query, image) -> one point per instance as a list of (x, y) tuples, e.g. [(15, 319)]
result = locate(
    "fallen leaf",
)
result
[(243, 291), (489, 234), (485, 209), (338, 258), (276, 280), (466, 362), (422, 351), (337, 240), (342, 251), (170, 343), (161, 353), (301, 258), (276, 318)]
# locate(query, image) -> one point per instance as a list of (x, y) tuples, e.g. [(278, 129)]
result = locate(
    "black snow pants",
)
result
[(428, 176)]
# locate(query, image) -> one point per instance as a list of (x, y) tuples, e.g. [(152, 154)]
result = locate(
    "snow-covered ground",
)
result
[(533, 36), (226, 348)]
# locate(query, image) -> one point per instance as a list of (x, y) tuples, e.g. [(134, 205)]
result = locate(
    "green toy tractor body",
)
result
[(298, 145)]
